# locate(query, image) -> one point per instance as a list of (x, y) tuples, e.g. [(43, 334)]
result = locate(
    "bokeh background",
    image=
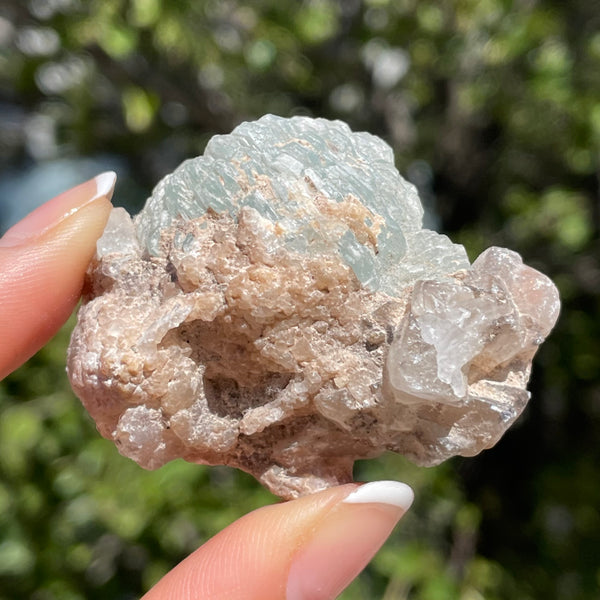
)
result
[(493, 110)]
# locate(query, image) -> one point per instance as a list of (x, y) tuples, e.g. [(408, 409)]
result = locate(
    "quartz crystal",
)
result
[(277, 306)]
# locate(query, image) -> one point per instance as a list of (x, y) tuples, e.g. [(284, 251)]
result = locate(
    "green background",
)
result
[(493, 110)]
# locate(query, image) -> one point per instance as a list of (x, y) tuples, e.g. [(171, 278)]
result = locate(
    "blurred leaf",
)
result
[(317, 21), (15, 558), (118, 41), (139, 107), (145, 13)]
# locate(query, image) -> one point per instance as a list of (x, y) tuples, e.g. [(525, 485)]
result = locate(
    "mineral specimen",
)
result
[(277, 306)]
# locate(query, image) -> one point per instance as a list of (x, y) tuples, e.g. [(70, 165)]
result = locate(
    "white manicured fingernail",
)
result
[(58, 209), (383, 492), (105, 184)]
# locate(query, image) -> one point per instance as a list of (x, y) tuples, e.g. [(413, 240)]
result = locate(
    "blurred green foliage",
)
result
[(493, 110)]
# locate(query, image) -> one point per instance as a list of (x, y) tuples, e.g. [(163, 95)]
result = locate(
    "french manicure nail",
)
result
[(61, 207), (384, 492), (346, 539)]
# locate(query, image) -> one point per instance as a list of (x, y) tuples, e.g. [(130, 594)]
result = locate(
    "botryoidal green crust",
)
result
[(277, 307)]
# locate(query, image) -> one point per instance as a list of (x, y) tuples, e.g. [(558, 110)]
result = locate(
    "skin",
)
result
[(306, 549)]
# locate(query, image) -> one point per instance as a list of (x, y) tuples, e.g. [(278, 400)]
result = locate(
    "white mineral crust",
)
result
[(277, 307)]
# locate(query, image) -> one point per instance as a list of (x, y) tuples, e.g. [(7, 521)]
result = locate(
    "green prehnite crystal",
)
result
[(282, 167)]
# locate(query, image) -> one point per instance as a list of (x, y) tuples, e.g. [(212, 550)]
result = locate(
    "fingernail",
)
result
[(346, 540), (59, 208)]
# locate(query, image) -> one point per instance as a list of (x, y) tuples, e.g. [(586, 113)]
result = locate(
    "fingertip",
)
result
[(41, 275), (251, 557), (50, 214), (310, 548), (346, 540)]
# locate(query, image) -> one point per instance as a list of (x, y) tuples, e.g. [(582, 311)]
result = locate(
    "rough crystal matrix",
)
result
[(277, 307)]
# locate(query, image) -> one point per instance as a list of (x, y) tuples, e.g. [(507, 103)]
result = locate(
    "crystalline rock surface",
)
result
[(276, 306)]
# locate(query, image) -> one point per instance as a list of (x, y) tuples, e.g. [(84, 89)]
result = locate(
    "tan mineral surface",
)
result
[(277, 307)]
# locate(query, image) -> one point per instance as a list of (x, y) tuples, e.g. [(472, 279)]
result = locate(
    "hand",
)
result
[(306, 549)]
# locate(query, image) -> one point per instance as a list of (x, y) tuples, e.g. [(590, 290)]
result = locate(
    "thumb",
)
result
[(306, 549), (43, 260)]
